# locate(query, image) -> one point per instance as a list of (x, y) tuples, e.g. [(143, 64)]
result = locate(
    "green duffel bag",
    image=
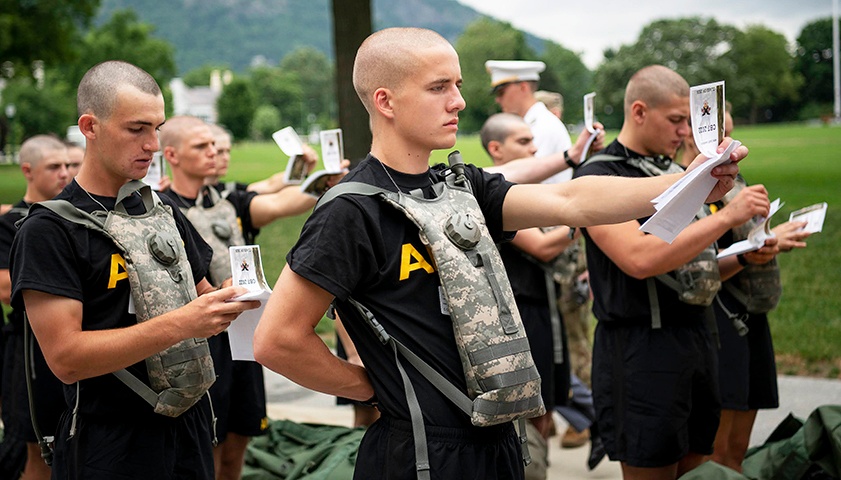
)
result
[(293, 450)]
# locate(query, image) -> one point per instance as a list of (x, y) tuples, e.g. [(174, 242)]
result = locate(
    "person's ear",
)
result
[(168, 153), (86, 125), (383, 103), (638, 111), (494, 147), (26, 169)]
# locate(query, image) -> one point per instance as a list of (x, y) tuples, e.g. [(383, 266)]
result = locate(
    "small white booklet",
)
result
[(157, 170), (814, 214), (290, 144), (756, 237), (677, 206), (588, 124), (332, 154), (247, 270)]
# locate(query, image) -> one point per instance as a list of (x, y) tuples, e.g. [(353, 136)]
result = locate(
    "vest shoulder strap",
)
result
[(69, 212), (355, 188)]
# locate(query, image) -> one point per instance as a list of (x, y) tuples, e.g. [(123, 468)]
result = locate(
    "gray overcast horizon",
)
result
[(591, 27)]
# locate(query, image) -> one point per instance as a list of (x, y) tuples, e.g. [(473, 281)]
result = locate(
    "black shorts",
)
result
[(387, 452), (48, 392), (155, 446), (239, 393), (748, 373), (655, 392)]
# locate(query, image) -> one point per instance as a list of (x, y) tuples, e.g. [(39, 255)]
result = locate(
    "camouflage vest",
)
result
[(502, 380), (757, 287), (696, 282), (161, 280), (219, 227)]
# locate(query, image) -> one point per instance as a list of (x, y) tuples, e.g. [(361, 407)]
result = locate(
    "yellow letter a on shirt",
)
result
[(407, 265)]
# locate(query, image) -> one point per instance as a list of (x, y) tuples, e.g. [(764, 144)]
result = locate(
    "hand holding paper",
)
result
[(247, 270), (756, 237)]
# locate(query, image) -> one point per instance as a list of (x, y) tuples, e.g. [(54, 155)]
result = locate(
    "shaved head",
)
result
[(38, 147), (654, 85), (175, 130), (100, 85), (498, 127), (387, 57)]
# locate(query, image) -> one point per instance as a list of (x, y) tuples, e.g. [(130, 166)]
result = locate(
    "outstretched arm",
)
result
[(537, 169), (596, 200)]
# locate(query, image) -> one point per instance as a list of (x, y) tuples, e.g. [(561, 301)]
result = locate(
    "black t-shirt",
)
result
[(527, 278), (618, 296), (240, 199), (7, 235), (358, 246), (58, 257)]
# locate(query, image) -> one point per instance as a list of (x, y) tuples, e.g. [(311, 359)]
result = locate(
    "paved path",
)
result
[(798, 395)]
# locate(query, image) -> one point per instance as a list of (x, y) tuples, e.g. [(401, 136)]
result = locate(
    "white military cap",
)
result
[(509, 71)]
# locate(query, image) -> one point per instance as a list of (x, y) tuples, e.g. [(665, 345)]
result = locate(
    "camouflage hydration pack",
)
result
[(757, 287), (219, 227), (161, 280), (502, 381), (696, 282)]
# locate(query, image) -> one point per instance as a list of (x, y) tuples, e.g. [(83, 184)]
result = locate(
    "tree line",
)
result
[(767, 79)]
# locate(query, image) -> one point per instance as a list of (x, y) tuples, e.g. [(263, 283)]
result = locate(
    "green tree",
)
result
[(691, 46), (200, 77), (814, 62), (763, 84), (236, 106), (266, 121), (485, 39), (573, 79), (316, 79), (281, 89), (46, 31), (49, 109), (125, 38)]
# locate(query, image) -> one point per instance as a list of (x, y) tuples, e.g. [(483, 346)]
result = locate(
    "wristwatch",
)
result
[(569, 160)]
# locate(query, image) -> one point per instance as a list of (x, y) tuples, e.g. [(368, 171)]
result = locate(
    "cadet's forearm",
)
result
[(590, 200)]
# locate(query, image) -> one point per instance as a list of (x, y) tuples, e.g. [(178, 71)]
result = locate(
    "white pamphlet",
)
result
[(706, 107), (247, 271), (813, 214), (290, 144), (156, 171), (677, 206), (588, 124), (756, 237), (332, 154), (332, 149)]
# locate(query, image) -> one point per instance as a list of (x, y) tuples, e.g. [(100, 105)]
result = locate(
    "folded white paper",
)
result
[(756, 237), (813, 214), (677, 206), (247, 270)]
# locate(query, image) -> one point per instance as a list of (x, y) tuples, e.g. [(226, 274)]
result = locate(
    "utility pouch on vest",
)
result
[(757, 287), (161, 280), (502, 380), (218, 226)]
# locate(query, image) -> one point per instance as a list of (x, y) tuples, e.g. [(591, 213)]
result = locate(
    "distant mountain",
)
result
[(240, 32)]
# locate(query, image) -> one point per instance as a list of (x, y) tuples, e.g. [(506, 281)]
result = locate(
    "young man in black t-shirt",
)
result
[(239, 397), (655, 389), (356, 246), (45, 164), (75, 288)]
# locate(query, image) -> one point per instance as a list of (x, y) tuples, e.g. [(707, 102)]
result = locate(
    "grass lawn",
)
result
[(801, 164)]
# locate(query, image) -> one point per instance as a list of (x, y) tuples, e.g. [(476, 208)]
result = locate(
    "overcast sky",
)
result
[(591, 27)]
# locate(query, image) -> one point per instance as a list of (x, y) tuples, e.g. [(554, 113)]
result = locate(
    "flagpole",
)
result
[(836, 62)]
